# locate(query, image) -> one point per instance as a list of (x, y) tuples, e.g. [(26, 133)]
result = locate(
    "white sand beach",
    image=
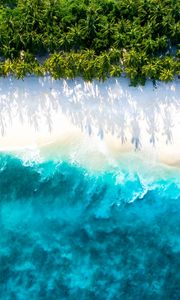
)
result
[(91, 122)]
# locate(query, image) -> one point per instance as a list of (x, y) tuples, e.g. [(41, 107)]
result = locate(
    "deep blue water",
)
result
[(67, 233)]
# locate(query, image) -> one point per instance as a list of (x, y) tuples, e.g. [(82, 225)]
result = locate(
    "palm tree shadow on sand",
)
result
[(111, 107)]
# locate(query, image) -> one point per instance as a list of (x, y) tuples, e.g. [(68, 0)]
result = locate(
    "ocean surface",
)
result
[(72, 233), (89, 190)]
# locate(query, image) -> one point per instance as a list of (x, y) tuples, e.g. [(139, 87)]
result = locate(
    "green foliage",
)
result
[(91, 38), (90, 66)]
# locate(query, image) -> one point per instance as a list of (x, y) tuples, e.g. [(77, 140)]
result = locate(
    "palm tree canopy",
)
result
[(139, 32)]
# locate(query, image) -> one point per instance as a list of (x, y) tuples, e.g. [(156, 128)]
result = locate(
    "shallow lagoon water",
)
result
[(68, 232)]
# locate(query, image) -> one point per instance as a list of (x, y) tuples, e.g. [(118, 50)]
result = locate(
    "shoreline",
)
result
[(112, 117)]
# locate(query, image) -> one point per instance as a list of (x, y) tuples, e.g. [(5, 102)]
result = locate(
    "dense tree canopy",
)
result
[(91, 38)]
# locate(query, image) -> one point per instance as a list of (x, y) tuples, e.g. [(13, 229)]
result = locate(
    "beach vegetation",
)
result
[(94, 39)]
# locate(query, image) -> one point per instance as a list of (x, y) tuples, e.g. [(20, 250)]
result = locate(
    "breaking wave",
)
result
[(69, 232)]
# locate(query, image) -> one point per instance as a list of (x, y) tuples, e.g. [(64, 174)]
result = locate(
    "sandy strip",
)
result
[(101, 121)]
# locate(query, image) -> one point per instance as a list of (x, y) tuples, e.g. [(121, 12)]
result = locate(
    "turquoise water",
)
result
[(70, 233)]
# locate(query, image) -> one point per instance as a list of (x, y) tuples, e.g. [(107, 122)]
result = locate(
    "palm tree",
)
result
[(148, 45), (175, 31), (118, 36), (102, 66), (8, 51), (72, 65), (7, 67), (88, 64), (115, 56), (55, 65), (105, 34), (151, 70), (75, 36), (65, 41), (166, 75), (90, 26), (115, 71)]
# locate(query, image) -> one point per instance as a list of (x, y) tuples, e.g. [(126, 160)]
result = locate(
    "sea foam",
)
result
[(89, 190), (107, 118), (68, 231)]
